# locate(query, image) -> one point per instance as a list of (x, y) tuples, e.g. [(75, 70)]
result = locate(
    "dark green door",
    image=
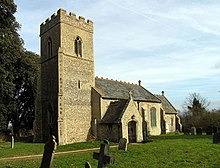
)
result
[(132, 136)]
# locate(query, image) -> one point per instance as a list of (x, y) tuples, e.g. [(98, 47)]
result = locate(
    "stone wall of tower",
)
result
[(50, 30), (66, 78), (77, 77)]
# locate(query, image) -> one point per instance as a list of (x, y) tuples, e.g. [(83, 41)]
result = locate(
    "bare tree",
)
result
[(195, 109), (195, 99)]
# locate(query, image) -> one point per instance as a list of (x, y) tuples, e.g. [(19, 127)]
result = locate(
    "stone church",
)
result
[(77, 105)]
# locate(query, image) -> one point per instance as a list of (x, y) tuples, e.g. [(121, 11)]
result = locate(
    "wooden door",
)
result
[(132, 136)]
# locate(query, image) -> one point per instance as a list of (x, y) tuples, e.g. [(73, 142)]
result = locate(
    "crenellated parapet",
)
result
[(62, 17)]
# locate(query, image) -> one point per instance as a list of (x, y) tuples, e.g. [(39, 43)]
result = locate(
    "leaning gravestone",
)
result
[(199, 131), (87, 165), (216, 138), (103, 156), (122, 145), (49, 149), (193, 131)]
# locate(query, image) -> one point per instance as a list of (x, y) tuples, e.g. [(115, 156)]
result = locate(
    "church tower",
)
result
[(67, 76)]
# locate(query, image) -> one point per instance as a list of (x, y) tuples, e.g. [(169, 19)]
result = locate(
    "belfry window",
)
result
[(153, 117), (49, 48), (79, 84), (78, 46)]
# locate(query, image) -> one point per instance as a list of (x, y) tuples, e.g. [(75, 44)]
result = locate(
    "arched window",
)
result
[(49, 48), (153, 117), (78, 46)]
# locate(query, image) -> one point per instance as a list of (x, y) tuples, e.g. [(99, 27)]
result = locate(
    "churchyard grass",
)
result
[(165, 151), (25, 149)]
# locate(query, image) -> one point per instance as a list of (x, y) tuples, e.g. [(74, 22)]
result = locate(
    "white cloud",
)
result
[(169, 45)]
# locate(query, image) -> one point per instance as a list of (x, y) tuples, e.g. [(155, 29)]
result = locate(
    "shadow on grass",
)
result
[(181, 136)]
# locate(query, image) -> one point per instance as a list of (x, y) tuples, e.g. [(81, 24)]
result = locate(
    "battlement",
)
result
[(62, 17)]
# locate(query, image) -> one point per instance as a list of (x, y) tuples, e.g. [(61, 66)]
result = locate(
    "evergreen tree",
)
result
[(25, 81), (18, 70)]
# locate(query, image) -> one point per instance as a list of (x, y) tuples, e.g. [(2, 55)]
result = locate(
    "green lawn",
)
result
[(175, 151)]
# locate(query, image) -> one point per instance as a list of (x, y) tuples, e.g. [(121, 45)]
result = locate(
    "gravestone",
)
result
[(12, 140), (216, 138), (87, 165), (215, 129), (209, 130), (10, 127), (177, 132), (122, 145), (49, 149), (103, 156), (193, 131), (186, 131), (199, 131)]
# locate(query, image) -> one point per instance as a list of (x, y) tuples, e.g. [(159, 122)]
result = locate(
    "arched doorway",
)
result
[(132, 136)]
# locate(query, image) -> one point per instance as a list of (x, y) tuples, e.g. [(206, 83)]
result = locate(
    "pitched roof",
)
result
[(120, 90), (166, 105), (114, 112)]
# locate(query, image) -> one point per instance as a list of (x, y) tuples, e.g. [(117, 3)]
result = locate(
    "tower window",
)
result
[(49, 47), (78, 46), (79, 84), (153, 117)]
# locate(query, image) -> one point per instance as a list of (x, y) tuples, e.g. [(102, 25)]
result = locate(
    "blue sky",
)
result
[(169, 45)]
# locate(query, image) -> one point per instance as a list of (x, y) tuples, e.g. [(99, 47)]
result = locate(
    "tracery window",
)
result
[(153, 117), (78, 46)]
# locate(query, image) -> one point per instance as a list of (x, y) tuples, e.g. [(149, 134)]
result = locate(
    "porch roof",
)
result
[(115, 112)]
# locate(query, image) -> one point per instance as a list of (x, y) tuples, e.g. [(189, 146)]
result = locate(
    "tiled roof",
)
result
[(114, 112), (120, 90), (166, 105)]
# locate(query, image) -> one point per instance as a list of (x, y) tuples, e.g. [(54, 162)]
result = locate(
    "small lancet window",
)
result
[(49, 47), (79, 84), (78, 46)]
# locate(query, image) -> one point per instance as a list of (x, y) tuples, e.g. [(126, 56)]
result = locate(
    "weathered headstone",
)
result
[(193, 131), (215, 129), (12, 140), (209, 130), (216, 138), (177, 132), (103, 156), (122, 145), (10, 127), (199, 131), (49, 149), (186, 131)]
